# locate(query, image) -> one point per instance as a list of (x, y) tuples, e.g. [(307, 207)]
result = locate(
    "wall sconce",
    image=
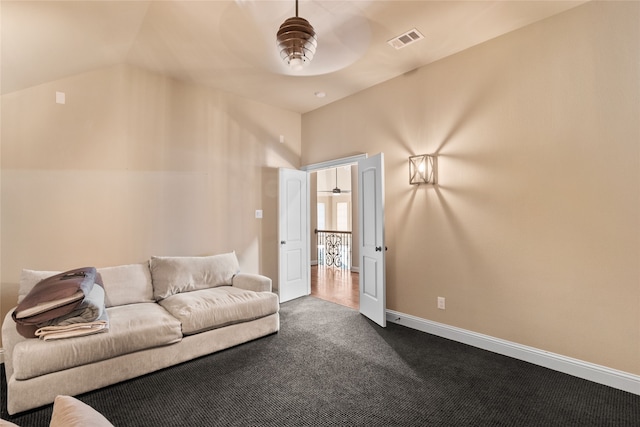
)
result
[(423, 169)]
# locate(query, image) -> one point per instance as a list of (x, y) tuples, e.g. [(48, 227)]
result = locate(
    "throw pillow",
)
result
[(70, 412)]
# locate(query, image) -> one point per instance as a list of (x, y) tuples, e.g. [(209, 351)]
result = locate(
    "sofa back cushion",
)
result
[(173, 275), (123, 284), (127, 284)]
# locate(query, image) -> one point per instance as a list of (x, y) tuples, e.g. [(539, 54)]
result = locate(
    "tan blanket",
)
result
[(74, 330)]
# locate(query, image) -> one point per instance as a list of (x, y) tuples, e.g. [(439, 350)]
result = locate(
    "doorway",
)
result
[(368, 230), (334, 277)]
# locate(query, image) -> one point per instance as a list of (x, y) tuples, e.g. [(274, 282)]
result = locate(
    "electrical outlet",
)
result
[(441, 303)]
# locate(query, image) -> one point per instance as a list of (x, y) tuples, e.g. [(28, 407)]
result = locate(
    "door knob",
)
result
[(378, 248), (282, 242)]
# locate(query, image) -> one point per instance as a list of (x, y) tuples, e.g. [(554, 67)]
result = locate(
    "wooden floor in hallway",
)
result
[(336, 285)]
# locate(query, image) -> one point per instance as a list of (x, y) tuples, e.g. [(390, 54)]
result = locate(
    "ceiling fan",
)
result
[(336, 190)]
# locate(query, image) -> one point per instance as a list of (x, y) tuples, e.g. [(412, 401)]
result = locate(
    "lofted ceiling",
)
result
[(230, 44)]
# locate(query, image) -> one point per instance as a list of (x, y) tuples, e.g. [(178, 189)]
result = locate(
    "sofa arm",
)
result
[(252, 282), (10, 337)]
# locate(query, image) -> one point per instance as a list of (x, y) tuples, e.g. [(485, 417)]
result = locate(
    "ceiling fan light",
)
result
[(297, 42), (296, 64)]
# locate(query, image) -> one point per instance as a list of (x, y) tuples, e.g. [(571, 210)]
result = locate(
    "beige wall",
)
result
[(532, 235), (135, 165)]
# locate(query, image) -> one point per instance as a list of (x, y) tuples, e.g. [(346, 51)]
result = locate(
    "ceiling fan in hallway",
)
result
[(336, 191)]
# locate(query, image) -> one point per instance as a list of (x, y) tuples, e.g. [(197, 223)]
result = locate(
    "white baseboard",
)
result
[(578, 368)]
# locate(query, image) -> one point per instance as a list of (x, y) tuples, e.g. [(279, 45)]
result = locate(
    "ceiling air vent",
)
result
[(406, 39)]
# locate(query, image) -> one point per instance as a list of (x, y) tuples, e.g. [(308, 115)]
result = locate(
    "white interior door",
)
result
[(372, 244), (294, 278)]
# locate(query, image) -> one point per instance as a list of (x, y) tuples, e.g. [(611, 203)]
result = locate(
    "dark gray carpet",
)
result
[(330, 366)]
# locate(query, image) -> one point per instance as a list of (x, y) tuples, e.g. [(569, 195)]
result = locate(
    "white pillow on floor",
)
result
[(70, 412)]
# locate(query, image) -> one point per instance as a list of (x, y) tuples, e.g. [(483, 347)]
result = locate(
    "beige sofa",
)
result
[(161, 312)]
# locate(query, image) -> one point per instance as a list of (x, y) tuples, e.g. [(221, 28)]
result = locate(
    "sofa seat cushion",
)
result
[(132, 328), (217, 307)]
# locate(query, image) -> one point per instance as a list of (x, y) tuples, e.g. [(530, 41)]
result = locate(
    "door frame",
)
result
[(344, 161), (330, 164)]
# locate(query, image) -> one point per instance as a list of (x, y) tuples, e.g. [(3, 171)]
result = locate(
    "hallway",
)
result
[(335, 285)]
